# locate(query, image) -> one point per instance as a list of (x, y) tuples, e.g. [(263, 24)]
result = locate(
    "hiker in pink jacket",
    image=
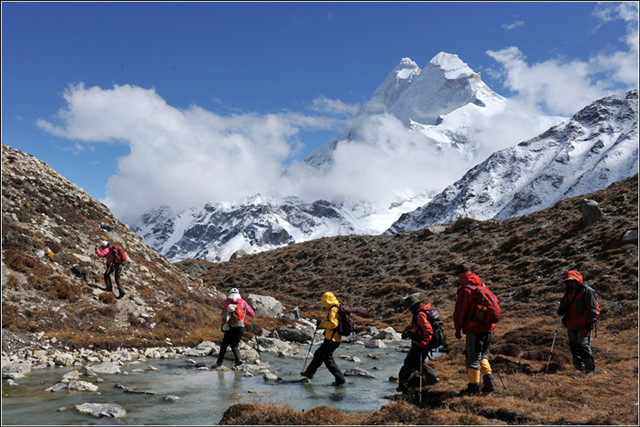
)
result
[(114, 265), (234, 318)]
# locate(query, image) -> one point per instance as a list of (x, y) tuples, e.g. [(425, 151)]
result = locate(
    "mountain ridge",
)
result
[(596, 147)]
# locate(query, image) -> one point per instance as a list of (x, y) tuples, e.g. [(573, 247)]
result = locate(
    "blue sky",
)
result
[(283, 75)]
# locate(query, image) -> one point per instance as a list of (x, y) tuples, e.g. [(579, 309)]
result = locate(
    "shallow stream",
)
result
[(204, 395)]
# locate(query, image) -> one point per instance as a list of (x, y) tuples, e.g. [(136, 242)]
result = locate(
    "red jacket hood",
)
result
[(469, 278)]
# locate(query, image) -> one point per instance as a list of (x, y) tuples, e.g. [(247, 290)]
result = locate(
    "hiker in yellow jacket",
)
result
[(331, 342)]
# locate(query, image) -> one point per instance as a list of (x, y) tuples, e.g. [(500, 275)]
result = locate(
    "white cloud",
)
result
[(563, 86), (182, 158), (559, 87), (186, 158), (323, 104), (385, 160), (626, 11), (515, 24)]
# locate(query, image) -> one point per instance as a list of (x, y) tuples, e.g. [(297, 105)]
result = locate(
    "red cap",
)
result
[(573, 275)]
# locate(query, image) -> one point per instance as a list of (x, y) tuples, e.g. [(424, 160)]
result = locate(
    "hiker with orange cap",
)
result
[(580, 311), (477, 333)]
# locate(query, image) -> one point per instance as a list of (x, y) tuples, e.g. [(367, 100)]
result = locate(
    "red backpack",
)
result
[(237, 315), (486, 309), (119, 256)]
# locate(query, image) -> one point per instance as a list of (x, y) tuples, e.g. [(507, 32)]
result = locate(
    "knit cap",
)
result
[(573, 275)]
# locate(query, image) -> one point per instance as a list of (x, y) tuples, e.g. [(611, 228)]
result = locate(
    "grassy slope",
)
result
[(523, 259)]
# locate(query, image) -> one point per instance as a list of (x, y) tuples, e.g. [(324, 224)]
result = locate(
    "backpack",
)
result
[(346, 324), (486, 309), (236, 315), (438, 337), (119, 256)]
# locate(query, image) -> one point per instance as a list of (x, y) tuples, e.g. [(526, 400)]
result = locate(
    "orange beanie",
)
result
[(574, 275)]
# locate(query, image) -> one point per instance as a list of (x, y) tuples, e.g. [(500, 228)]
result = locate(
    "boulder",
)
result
[(103, 368), (374, 343), (388, 334), (630, 236), (15, 369), (590, 211), (82, 386), (291, 333), (357, 372), (265, 305), (110, 410)]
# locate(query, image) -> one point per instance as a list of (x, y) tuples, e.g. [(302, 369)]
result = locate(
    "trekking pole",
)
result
[(497, 373), (255, 337), (553, 343), (307, 356), (420, 388)]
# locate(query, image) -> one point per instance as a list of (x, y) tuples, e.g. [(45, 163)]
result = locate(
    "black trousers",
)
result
[(116, 269), (324, 353), (580, 346), (231, 338), (412, 362)]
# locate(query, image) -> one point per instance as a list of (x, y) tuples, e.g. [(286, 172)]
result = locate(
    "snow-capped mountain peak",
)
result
[(595, 148), (452, 66), (438, 112)]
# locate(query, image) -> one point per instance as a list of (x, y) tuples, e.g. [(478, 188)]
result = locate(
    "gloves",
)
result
[(405, 335), (564, 321), (458, 334)]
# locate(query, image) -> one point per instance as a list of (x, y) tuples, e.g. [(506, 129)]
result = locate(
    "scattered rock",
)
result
[(110, 410), (82, 386)]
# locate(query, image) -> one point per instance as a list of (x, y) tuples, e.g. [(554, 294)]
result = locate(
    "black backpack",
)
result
[(346, 325), (438, 338)]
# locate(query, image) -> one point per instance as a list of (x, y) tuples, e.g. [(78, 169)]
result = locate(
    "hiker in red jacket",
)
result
[(234, 316), (114, 265), (420, 333), (478, 336), (580, 311)]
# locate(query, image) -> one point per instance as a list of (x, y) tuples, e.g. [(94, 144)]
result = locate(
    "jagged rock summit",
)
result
[(595, 148), (422, 99)]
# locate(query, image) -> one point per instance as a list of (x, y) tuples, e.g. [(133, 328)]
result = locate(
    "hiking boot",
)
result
[(402, 389), (338, 383), (215, 365), (306, 375), (489, 383), (471, 390)]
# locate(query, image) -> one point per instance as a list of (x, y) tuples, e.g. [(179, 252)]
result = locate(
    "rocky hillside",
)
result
[(52, 279)]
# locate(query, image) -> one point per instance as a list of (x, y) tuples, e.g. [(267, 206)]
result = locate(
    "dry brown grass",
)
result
[(523, 260)]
